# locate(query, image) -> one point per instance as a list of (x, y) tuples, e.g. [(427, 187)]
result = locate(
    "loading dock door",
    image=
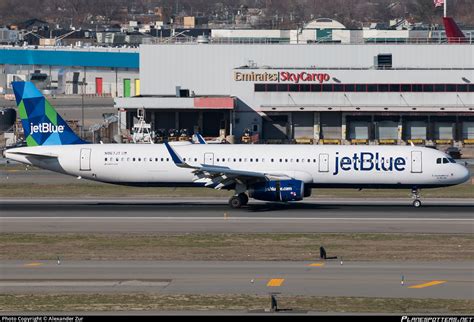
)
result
[(75, 83), (126, 87), (359, 130), (468, 130), (98, 85), (209, 158), (85, 160), (416, 164), (416, 130), (444, 130), (275, 127), (324, 162)]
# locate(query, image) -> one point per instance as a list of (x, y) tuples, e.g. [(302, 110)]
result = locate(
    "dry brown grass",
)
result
[(158, 302), (230, 246)]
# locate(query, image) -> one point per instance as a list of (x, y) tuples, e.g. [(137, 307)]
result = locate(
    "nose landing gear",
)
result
[(415, 194)]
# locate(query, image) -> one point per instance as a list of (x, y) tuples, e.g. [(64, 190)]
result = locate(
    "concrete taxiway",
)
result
[(329, 278), (191, 215)]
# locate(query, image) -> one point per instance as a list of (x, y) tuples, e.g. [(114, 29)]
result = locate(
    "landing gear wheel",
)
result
[(415, 194), (235, 202), (417, 203), (244, 198)]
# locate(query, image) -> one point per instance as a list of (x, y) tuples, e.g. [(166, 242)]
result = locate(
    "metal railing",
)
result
[(326, 41)]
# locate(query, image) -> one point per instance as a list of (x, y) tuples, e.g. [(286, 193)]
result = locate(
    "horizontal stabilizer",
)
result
[(29, 154)]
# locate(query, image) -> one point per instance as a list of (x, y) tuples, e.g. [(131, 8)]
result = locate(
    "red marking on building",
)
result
[(214, 102)]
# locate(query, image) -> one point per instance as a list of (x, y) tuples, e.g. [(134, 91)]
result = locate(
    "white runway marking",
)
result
[(241, 218)]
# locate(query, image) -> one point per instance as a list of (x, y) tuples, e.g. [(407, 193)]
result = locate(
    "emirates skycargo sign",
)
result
[(282, 77)]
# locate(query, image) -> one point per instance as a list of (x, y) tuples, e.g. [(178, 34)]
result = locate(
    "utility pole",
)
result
[(82, 105)]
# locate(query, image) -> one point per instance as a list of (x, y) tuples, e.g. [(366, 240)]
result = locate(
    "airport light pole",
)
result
[(82, 103)]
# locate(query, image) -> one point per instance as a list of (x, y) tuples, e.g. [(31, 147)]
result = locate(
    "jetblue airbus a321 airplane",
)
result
[(280, 173)]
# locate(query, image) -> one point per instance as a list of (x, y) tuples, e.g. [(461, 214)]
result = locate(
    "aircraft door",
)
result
[(416, 162), (209, 158), (324, 162), (85, 162)]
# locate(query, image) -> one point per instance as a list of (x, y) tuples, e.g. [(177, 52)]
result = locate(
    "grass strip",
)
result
[(236, 246), (227, 302)]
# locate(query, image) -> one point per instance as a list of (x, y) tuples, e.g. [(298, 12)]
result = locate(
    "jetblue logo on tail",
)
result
[(366, 161), (46, 128), (42, 125)]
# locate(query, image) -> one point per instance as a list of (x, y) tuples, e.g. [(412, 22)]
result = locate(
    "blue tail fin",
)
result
[(41, 123)]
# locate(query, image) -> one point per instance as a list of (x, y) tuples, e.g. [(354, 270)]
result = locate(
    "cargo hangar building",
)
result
[(309, 93), (319, 93)]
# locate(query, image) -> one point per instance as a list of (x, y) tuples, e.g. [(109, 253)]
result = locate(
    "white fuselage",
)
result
[(316, 165)]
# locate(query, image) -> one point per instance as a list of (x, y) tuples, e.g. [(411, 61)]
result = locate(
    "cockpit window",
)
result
[(445, 160)]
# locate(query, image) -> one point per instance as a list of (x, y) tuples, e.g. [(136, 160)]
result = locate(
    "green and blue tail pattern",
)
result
[(42, 125)]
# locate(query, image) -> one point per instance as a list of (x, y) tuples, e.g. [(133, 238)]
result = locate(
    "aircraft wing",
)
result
[(221, 177)]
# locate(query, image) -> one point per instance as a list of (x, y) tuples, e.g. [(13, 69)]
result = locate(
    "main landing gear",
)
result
[(415, 194), (239, 200)]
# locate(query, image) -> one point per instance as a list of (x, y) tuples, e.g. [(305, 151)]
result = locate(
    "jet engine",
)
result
[(283, 190)]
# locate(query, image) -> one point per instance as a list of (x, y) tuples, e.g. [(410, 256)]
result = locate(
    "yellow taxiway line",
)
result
[(32, 264), (432, 283), (275, 282)]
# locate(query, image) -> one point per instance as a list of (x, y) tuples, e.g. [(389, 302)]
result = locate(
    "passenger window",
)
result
[(281, 160), (272, 160), (133, 159), (240, 159), (256, 160), (297, 160), (151, 159), (184, 159), (195, 160), (167, 159), (251, 160), (116, 159), (314, 160), (105, 159), (309, 160), (128, 159)]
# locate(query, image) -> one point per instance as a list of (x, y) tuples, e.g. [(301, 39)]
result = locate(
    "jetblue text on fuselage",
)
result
[(366, 161), (46, 128)]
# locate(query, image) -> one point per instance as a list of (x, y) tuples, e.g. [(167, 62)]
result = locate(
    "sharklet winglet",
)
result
[(175, 157)]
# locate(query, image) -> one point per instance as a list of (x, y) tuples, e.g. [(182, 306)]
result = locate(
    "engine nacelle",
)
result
[(284, 190)]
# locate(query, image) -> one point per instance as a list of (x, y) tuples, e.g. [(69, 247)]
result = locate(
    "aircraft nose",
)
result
[(464, 174)]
